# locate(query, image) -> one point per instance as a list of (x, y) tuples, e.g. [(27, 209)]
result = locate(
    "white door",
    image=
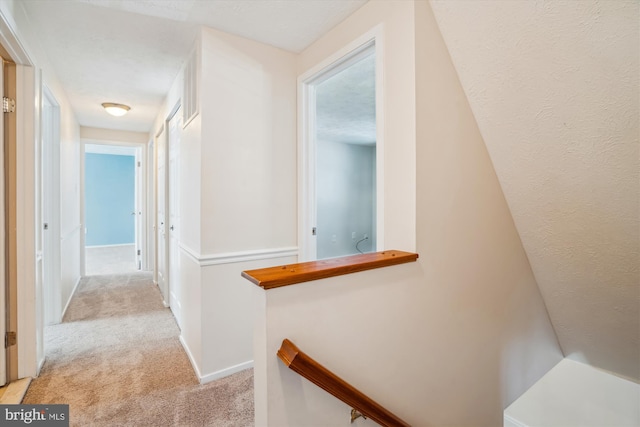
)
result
[(3, 302), (175, 127), (43, 234), (161, 191)]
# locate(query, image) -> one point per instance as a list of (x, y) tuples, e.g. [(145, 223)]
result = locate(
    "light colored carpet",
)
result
[(120, 259), (116, 360)]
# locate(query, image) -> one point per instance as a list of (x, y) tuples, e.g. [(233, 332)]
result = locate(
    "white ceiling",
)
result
[(554, 87), (130, 52), (346, 104)]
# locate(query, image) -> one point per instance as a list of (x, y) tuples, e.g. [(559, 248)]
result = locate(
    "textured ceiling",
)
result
[(346, 105), (554, 87), (131, 51)]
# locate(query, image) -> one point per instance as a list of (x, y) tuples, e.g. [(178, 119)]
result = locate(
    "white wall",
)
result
[(39, 72), (554, 87), (451, 339), (70, 220), (238, 192), (399, 108), (248, 183), (248, 147), (345, 197), (114, 136)]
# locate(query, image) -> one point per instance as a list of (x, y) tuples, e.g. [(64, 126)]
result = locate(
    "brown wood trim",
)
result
[(284, 275), (299, 362)]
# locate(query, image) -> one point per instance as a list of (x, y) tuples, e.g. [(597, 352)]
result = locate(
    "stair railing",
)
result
[(362, 405)]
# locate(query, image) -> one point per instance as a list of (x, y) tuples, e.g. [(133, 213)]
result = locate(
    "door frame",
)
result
[(150, 206), (156, 227), (163, 132), (306, 138), (25, 132), (141, 191), (173, 205)]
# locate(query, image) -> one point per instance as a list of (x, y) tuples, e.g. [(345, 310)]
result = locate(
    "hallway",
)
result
[(116, 360), (110, 260)]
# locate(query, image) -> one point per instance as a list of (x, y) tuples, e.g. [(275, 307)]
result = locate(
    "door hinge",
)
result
[(313, 231), (10, 338), (8, 105), (138, 251), (139, 164)]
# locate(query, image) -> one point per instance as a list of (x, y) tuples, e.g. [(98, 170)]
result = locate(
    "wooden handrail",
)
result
[(284, 275), (305, 366)]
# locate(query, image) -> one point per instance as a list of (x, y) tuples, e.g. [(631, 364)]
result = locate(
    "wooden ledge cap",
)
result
[(285, 275)]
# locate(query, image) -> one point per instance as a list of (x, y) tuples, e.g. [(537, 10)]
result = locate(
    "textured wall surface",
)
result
[(554, 89)]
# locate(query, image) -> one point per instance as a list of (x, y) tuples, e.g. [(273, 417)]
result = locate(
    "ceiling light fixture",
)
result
[(116, 109)]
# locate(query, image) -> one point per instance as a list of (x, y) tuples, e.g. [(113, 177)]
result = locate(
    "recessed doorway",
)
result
[(341, 156), (112, 214)]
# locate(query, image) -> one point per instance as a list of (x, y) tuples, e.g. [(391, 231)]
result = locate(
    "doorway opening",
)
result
[(113, 213), (341, 149)]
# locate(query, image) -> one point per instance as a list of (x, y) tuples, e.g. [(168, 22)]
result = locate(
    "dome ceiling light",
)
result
[(116, 109)]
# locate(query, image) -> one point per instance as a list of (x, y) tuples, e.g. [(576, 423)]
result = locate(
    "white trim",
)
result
[(380, 133), (10, 41), (187, 350), (111, 149), (83, 224), (233, 257), (110, 246), (306, 126), (204, 379), (142, 217), (374, 34), (513, 421), (26, 134), (160, 131), (117, 144), (73, 292), (222, 373), (71, 232), (30, 325)]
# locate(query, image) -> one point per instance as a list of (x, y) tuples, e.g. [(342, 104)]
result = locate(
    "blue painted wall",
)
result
[(109, 199)]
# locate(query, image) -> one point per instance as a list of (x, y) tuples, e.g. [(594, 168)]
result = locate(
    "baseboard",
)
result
[(226, 372), (214, 375), (73, 292), (511, 422), (194, 365), (109, 246)]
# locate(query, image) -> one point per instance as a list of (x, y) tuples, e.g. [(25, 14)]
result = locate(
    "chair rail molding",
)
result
[(205, 260)]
